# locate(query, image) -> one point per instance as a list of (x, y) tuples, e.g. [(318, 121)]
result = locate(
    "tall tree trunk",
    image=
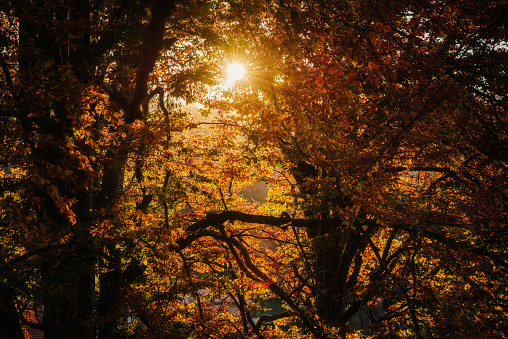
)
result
[(337, 262), (337, 252), (112, 310), (67, 276), (69, 279), (10, 326)]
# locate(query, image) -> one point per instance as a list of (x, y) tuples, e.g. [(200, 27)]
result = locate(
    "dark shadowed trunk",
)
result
[(67, 276), (10, 326), (338, 256), (112, 310)]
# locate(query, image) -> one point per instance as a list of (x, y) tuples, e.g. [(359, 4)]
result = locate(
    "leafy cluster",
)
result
[(353, 184)]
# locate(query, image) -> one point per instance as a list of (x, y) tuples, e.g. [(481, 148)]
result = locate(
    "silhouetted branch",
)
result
[(32, 253), (152, 45), (198, 230), (219, 218)]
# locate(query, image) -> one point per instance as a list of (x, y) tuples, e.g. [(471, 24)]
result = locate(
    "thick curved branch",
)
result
[(152, 45), (216, 219), (259, 275)]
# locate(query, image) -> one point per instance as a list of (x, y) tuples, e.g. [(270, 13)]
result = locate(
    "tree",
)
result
[(384, 131), (54, 116), (379, 128)]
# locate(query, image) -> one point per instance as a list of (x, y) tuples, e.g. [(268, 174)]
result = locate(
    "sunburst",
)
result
[(235, 72)]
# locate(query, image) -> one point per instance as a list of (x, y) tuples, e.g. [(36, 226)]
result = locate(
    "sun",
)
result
[(235, 72)]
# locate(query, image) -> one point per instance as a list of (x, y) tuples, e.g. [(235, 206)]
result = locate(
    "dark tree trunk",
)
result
[(67, 276), (337, 250), (338, 256), (69, 280), (329, 282), (112, 310), (10, 326), (52, 40)]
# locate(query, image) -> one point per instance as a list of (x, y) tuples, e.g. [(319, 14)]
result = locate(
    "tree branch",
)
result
[(152, 44), (498, 258), (248, 267), (215, 219), (32, 253)]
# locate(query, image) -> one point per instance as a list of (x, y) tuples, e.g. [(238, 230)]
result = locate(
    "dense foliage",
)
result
[(354, 183)]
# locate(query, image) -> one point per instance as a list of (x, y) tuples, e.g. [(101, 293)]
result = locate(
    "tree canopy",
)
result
[(351, 183)]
